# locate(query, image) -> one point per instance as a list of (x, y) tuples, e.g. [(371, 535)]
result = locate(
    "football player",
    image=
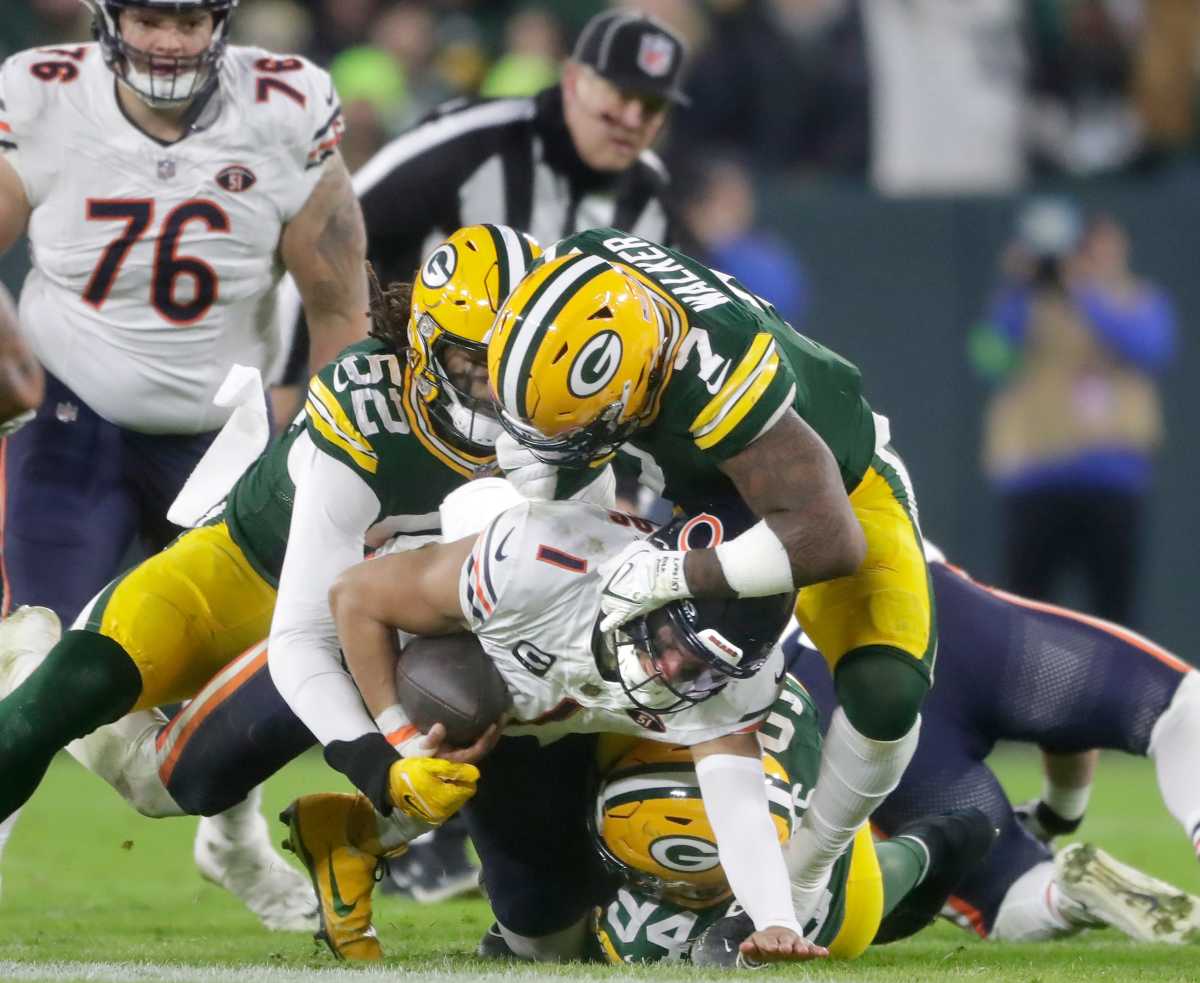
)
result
[(653, 831), (22, 381), (390, 426), (615, 341), (702, 673), (165, 179), (1016, 669)]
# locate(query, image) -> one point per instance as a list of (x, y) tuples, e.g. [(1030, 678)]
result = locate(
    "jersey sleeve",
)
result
[(332, 423), (492, 567), (20, 103), (757, 391), (300, 106)]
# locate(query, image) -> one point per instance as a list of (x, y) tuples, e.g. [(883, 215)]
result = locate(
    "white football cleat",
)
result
[(26, 636), (249, 867), (1112, 893)]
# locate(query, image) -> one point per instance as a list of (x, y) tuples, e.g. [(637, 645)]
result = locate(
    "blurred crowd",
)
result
[(916, 96)]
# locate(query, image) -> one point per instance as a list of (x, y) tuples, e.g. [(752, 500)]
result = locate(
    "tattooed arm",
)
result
[(789, 477), (324, 248)]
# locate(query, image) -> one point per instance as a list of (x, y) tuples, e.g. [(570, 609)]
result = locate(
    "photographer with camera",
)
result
[(1077, 341)]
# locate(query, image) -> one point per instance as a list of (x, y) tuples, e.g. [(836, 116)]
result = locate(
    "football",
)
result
[(450, 680)]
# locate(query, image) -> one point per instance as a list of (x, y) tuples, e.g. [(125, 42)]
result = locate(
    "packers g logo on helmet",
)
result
[(455, 297), (574, 358), (596, 363), (688, 854), (439, 267), (651, 827)]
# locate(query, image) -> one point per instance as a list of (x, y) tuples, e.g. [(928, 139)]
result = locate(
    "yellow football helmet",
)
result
[(455, 297), (652, 830), (574, 359)]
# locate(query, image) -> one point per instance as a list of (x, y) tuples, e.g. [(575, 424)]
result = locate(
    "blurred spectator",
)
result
[(407, 31), (1165, 73), (947, 95), (720, 213), (339, 24), (374, 97), (1084, 119), (1072, 429), (277, 25), (782, 89), (533, 50)]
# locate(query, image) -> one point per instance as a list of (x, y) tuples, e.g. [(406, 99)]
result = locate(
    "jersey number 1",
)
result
[(137, 214)]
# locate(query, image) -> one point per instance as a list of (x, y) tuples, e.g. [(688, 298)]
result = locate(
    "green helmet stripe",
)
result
[(550, 297)]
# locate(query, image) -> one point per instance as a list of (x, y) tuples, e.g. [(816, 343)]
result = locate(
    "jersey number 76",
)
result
[(169, 266)]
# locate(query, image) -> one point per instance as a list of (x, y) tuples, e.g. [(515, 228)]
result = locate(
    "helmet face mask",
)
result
[(161, 81), (461, 370), (456, 294), (577, 448), (660, 671)]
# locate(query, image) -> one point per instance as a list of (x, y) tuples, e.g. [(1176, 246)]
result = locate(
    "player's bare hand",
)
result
[(777, 944), (433, 745)]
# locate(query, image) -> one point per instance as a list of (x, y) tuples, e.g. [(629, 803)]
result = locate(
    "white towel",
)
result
[(235, 448)]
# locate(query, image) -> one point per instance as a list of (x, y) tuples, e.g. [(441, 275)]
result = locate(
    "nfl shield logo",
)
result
[(655, 54), (166, 169)]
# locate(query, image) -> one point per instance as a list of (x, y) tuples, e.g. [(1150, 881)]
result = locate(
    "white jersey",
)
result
[(531, 594), (154, 266)]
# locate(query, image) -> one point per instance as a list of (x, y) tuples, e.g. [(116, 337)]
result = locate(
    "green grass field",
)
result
[(92, 891)]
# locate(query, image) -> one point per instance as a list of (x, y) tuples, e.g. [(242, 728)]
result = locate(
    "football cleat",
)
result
[(493, 945), (955, 842), (26, 636), (719, 945), (334, 837), (250, 868), (436, 870), (1111, 893)]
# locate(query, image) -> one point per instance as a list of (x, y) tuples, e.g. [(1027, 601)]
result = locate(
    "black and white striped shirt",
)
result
[(506, 161)]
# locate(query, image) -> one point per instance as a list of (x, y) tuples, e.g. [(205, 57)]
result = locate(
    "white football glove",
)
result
[(638, 580), (531, 477)]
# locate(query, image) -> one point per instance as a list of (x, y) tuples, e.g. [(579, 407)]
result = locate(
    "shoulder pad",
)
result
[(295, 101)]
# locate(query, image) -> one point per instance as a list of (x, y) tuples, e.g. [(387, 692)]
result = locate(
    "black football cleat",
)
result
[(718, 945), (957, 841), (493, 945)]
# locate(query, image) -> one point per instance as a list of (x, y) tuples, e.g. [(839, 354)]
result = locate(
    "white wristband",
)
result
[(756, 563), (400, 732)]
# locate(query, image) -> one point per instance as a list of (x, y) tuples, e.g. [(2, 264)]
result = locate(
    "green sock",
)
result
[(903, 863), (87, 680)]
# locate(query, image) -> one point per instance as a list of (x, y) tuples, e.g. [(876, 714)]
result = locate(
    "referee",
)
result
[(575, 156)]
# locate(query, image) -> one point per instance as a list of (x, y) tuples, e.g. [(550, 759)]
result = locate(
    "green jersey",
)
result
[(637, 928), (734, 368), (363, 411)]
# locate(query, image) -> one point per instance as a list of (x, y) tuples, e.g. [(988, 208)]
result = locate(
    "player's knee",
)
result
[(204, 792), (881, 690), (92, 679)]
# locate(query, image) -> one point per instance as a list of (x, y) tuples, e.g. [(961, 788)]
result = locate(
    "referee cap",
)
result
[(634, 51)]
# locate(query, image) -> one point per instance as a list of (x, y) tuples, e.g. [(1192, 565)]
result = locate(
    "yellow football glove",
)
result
[(431, 789)]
